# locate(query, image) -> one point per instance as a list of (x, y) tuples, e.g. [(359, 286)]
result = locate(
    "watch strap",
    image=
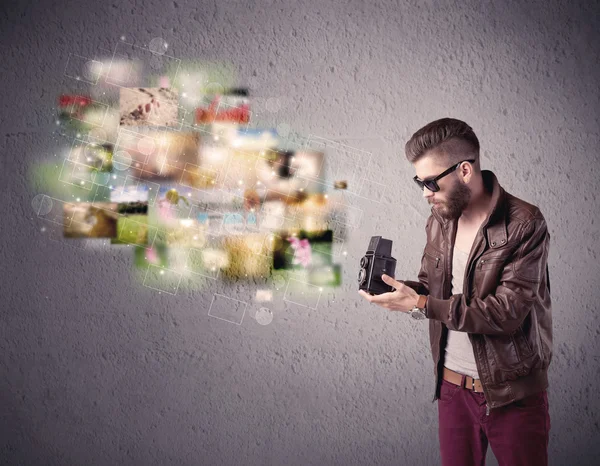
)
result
[(421, 301)]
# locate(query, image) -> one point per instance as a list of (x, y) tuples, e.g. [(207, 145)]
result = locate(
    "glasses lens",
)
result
[(431, 185)]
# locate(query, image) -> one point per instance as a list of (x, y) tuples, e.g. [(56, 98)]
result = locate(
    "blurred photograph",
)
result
[(290, 171), (81, 113), (110, 74), (249, 256), (195, 80), (158, 155), (155, 255), (173, 203), (186, 233), (130, 193), (87, 220), (302, 250), (98, 157), (132, 224), (148, 107), (233, 106)]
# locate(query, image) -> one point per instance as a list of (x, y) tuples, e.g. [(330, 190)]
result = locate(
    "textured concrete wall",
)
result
[(98, 370)]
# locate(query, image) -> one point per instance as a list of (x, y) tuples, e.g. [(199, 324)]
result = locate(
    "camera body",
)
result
[(378, 260)]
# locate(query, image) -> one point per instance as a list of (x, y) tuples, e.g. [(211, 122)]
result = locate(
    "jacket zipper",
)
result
[(483, 261)]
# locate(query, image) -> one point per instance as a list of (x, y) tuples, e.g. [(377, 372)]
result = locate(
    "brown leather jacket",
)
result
[(505, 304)]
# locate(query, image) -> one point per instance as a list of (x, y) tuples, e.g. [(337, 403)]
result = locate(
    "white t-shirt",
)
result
[(459, 351)]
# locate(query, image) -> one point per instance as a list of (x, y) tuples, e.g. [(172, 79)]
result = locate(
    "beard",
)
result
[(457, 200)]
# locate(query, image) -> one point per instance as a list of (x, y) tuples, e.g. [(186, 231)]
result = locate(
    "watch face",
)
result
[(416, 314)]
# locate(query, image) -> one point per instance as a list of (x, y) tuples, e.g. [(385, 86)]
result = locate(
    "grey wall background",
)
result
[(97, 370)]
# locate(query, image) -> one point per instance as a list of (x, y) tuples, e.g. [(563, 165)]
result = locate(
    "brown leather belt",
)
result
[(456, 378)]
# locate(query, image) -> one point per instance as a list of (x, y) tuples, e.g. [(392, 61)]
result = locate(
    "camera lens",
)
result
[(362, 274), (364, 261)]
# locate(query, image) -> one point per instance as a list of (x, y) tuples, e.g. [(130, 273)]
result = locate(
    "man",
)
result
[(484, 287)]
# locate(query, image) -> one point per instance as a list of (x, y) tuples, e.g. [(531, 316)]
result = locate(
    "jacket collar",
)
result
[(494, 225)]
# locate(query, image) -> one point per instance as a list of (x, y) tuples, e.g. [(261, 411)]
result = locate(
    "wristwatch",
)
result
[(419, 312)]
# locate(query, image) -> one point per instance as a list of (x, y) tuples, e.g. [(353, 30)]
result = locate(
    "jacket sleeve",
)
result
[(422, 285), (501, 312)]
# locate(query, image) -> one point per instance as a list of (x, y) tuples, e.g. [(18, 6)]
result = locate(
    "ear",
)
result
[(466, 172)]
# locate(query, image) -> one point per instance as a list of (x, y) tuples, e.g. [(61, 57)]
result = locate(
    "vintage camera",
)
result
[(377, 261)]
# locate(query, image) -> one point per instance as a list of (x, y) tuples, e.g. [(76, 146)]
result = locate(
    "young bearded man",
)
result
[(484, 287)]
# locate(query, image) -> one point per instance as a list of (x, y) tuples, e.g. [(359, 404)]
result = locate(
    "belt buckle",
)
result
[(473, 384)]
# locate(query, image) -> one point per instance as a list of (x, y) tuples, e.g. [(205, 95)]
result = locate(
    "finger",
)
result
[(393, 282), (381, 299), (389, 280)]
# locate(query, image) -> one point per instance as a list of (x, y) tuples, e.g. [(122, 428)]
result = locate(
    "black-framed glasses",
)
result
[(431, 183)]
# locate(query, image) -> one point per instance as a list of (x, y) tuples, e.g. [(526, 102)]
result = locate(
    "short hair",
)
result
[(447, 140)]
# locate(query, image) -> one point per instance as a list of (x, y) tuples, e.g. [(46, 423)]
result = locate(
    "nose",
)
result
[(427, 193)]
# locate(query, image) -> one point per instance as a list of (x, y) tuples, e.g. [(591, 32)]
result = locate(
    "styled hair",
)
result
[(447, 140)]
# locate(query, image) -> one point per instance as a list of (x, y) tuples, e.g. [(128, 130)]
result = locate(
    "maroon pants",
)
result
[(517, 433)]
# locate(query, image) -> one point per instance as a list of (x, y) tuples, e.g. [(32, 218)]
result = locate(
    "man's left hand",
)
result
[(403, 298)]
